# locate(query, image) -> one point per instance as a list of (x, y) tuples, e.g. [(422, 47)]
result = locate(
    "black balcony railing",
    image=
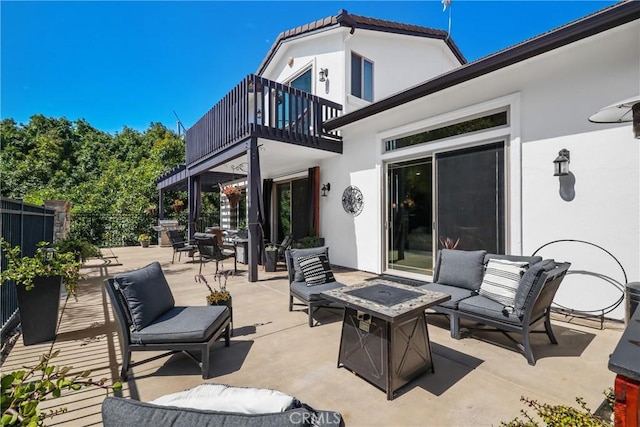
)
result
[(258, 107)]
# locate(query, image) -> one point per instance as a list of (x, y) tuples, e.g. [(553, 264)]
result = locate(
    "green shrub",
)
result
[(562, 415)]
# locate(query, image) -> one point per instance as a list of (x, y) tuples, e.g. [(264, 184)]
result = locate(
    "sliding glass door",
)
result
[(410, 234), (470, 193), (465, 193)]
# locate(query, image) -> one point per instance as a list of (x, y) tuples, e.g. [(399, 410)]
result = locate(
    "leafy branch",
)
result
[(24, 390)]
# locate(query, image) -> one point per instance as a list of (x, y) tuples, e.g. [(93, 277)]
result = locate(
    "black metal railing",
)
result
[(262, 108), (115, 230), (23, 225)]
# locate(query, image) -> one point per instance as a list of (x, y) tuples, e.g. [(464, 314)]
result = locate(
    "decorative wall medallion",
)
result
[(352, 200)]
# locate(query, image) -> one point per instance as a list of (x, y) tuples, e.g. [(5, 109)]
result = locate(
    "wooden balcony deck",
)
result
[(258, 107)]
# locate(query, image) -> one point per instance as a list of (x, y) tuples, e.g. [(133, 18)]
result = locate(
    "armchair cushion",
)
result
[(501, 280), (486, 307), (183, 324), (316, 269), (296, 253), (461, 268), (311, 293), (220, 397), (457, 294), (527, 289), (146, 293)]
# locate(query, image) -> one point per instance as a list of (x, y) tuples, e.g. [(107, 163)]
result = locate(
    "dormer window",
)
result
[(361, 77)]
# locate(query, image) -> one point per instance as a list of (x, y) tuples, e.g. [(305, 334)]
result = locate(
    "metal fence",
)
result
[(114, 230), (22, 225)]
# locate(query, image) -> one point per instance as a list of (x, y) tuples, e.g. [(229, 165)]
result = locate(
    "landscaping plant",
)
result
[(46, 262), (24, 390), (561, 415)]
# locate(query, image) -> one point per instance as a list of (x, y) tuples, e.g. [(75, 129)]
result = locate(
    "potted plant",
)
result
[(271, 252), (312, 242), (221, 296), (233, 194), (178, 205), (152, 209), (23, 390), (144, 240), (38, 281), (80, 247)]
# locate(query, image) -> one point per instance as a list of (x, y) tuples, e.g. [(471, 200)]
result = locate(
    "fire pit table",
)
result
[(384, 332)]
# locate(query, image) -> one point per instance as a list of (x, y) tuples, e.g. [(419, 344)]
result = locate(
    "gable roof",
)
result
[(603, 20), (345, 19)]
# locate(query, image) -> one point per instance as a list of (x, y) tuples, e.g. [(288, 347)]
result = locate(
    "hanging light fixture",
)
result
[(561, 163)]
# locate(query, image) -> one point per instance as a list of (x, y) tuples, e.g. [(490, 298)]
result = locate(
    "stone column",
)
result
[(61, 219)]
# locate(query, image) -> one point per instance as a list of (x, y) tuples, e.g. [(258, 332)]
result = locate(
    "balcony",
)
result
[(261, 108)]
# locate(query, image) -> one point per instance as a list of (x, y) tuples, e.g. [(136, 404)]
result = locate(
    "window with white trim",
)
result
[(361, 77)]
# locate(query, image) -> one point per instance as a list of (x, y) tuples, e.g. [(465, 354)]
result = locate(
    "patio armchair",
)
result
[(148, 319), (209, 250), (180, 245), (309, 294)]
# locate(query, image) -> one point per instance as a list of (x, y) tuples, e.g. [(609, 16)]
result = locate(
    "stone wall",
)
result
[(62, 218)]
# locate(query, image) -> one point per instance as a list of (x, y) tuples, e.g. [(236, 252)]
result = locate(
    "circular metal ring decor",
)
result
[(352, 200)]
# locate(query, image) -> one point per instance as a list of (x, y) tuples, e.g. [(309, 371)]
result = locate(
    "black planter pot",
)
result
[(39, 309), (228, 303), (272, 260)]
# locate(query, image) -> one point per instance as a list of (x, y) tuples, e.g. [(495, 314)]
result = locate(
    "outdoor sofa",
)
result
[(217, 405), (507, 292)]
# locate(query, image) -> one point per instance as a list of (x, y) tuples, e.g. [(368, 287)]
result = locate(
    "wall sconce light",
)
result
[(561, 163), (325, 189), (324, 73)]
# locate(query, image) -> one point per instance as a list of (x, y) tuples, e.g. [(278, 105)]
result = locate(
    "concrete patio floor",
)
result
[(476, 382)]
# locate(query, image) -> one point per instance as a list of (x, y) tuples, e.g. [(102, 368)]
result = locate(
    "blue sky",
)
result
[(132, 63)]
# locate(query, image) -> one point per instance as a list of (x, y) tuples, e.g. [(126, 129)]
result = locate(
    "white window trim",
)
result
[(510, 133)]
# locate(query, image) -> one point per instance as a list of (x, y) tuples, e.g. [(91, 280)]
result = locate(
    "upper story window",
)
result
[(302, 82), (361, 77)]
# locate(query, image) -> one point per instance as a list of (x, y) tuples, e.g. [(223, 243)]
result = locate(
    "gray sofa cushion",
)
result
[(530, 284), (295, 253), (457, 294), (311, 293), (146, 293), (488, 308), (183, 324), (118, 412), (518, 258), (461, 268)]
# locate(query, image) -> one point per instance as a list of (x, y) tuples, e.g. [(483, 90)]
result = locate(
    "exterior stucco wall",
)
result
[(400, 61), (552, 96)]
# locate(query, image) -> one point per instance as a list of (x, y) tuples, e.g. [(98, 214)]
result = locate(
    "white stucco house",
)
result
[(402, 147)]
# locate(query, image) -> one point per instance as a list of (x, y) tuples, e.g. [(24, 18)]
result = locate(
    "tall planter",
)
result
[(39, 309), (272, 261)]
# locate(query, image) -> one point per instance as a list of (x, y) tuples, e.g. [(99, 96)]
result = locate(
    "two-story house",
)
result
[(414, 149)]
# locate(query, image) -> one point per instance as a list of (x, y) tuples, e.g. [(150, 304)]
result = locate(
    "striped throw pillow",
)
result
[(316, 269), (501, 280)]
